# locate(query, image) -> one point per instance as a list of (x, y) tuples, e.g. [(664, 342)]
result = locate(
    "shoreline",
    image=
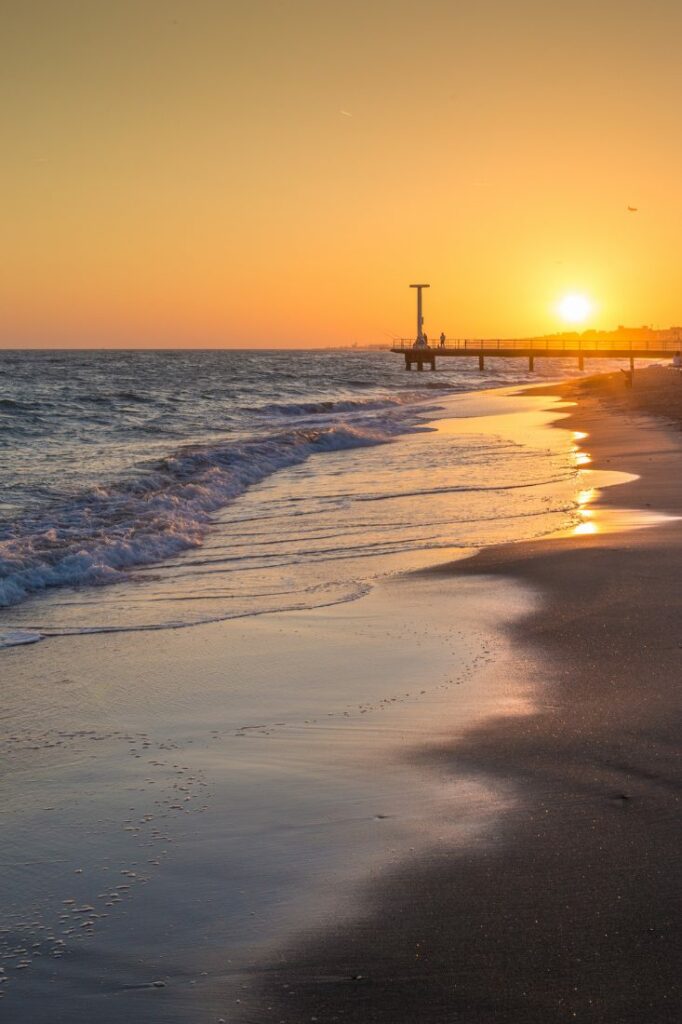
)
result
[(328, 818), (567, 912)]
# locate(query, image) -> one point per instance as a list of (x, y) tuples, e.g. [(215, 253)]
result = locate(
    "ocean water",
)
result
[(156, 489)]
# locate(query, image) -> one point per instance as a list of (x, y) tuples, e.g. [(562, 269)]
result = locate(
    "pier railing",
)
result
[(540, 345)]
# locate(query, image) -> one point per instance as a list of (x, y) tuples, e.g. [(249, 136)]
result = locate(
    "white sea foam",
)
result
[(99, 536), (19, 637)]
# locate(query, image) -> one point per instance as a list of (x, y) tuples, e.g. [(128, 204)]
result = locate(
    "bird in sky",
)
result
[(632, 209)]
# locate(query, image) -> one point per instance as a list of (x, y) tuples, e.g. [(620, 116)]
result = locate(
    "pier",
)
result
[(420, 353), (531, 349)]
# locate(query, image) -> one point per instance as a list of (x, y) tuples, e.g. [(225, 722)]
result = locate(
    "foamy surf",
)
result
[(19, 637), (166, 508)]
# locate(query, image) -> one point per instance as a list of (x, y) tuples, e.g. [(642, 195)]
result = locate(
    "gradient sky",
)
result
[(276, 172)]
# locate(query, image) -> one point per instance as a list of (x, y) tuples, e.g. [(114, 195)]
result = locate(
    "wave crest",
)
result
[(97, 537)]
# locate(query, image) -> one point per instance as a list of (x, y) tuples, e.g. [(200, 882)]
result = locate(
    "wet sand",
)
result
[(176, 806), (568, 908)]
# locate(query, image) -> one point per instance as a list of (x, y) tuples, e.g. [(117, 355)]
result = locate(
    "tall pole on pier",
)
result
[(420, 319)]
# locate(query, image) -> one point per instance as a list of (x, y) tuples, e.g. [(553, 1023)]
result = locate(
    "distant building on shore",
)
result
[(621, 333)]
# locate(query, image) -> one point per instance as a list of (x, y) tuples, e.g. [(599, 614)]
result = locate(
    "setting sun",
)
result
[(574, 308)]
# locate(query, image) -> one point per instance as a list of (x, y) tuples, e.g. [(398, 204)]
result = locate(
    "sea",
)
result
[(162, 489)]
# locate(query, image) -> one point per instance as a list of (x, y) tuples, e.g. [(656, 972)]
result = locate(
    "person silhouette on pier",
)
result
[(442, 339)]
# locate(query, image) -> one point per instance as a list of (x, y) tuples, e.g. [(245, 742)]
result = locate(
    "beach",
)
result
[(452, 798), (569, 910), (340, 513)]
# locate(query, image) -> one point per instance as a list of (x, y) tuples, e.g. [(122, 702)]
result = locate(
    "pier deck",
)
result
[(533, 348)]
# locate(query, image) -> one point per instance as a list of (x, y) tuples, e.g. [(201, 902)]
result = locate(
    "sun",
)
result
[(574, 308)]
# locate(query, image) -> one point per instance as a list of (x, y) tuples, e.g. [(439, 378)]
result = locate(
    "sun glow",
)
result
[(574, 308), (586, 527)]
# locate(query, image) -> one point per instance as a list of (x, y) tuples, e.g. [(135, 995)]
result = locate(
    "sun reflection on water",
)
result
[(598, 520), (587, 524)]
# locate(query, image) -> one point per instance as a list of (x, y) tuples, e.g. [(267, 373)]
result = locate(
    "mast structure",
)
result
[(421, 341)]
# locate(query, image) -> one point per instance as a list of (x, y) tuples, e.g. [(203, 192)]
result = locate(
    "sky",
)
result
[(277, 172)]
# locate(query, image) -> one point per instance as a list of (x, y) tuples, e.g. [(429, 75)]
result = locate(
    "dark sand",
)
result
[(569, 910), (657, 390)]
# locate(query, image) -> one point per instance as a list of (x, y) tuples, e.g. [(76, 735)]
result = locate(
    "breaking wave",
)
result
[(98, 536)]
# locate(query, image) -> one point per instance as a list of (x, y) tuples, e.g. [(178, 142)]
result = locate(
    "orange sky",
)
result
[(187, 173)]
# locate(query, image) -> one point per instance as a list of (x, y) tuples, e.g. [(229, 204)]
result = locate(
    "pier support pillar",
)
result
[(433, 362), (481, 363), (632, 364), (420, 364), (581, 362), (531, 363), (408, 362)]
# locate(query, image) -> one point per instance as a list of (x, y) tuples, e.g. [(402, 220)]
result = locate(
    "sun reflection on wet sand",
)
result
[(594, 520), (587, 525), (582, 458), (533, 425), (613, 520)]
